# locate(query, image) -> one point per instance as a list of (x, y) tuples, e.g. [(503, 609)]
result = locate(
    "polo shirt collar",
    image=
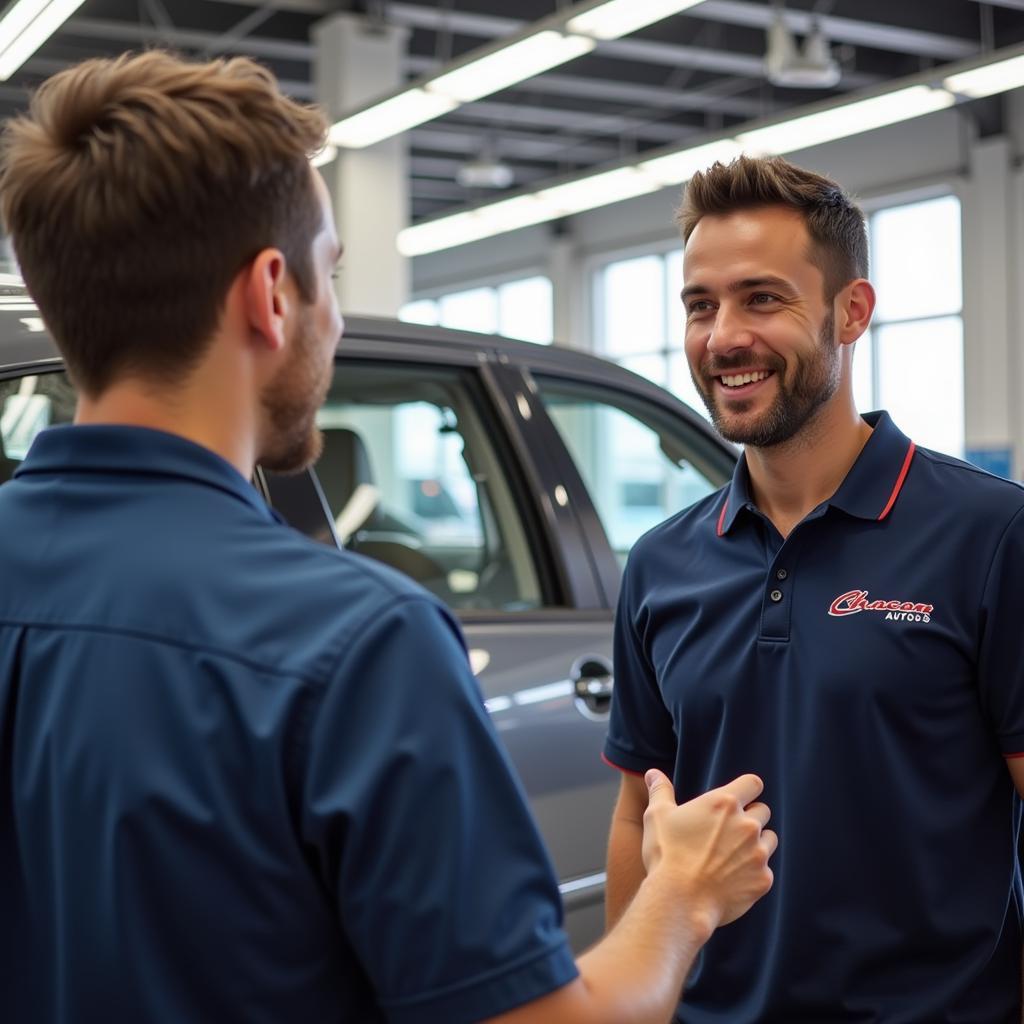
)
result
[(135, 451), (870, 488)]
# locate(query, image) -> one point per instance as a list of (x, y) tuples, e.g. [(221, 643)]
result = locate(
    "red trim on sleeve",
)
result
[(619, 768), (721, 518), (899, 482), (1010, 757)]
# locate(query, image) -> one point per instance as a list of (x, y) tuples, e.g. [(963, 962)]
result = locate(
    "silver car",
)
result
[(509, 479)]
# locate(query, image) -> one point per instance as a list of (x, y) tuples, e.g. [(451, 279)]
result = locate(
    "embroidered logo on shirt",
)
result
[(855, 601)]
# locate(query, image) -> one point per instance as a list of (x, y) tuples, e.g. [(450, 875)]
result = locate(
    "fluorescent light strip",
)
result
[(849, 119), (11, 281), (325, 156), (988, 80), (27, 26), (393, 116), (513, 63), (675, 168), (618, 18)]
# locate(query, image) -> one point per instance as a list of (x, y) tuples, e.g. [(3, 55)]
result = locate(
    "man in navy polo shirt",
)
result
[(844, 616), (243, 777)]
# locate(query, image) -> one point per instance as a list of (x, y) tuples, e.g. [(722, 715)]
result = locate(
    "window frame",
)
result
[(663, 406)]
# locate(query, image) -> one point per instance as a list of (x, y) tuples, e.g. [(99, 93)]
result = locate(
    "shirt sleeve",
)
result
[(1000, 665), (443, 887), (640, 730)]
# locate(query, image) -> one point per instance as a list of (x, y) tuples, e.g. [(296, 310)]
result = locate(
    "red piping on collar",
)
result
[(721, 518), (899, 482)]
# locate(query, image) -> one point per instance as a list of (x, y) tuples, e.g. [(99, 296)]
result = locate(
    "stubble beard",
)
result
[(815, 382), (290, 403)]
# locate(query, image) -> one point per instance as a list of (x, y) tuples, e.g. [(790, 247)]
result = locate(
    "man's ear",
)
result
[(267, 303), (855, 306)]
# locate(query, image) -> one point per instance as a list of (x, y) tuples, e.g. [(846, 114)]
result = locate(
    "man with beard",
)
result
[(244, 777), (845, 617)]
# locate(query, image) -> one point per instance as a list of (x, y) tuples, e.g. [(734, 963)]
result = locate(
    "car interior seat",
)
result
[(362, 523)]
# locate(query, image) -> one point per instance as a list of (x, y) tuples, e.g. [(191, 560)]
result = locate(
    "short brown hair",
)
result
[(839, 243), (136, 189)]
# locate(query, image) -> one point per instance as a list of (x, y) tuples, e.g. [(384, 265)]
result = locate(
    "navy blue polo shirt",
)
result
[(869, 669), (243, 777)]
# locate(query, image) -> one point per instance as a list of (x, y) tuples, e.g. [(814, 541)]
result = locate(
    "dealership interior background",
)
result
[(533, 152)]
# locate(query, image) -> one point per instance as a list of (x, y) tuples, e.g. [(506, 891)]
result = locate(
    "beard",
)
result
[(815, 381), (290, 403)]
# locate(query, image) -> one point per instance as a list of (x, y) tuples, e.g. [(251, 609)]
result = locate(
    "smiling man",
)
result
[(844, 617)]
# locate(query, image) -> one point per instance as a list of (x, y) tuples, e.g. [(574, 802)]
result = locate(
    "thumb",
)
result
[(659, 786)]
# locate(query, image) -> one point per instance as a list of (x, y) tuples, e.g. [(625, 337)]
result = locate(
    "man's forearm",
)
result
[(636, 973), (625, 867)]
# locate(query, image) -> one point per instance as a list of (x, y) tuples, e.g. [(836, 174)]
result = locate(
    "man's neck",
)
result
[(200, 414), (787, 481)]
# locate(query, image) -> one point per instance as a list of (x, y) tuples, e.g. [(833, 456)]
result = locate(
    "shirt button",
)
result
[(776, 595), (781, 574)]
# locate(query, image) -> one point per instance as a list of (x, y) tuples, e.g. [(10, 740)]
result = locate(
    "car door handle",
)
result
[(593, 682)]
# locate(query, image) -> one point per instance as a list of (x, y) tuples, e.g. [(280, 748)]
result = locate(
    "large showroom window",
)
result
[(518, 309), (911, 362)]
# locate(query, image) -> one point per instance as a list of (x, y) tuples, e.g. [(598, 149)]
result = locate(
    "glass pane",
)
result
[(863, 374), (28, 405), (637, 474), (525, 310), (916, 255), (412, 480), (674, 317), (680, 383), (474, 310), (631, 315), (653, 367), (420, 311), (921, 381)]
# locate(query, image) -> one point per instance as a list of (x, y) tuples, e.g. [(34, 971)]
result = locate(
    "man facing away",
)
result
[(845, 617), (243, 777)]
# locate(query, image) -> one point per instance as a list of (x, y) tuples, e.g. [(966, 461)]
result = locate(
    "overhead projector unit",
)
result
[(793, 67)]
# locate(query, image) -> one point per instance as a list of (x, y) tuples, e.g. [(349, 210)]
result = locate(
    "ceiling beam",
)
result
[(527, 146), (213, 42), (872, 34), (619, 92), (849, 30), (498, 116)]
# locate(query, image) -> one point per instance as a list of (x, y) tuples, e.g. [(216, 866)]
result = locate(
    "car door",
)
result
[(431, 465)]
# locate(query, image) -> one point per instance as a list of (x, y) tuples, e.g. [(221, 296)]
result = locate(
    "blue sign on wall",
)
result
[(998, 461)]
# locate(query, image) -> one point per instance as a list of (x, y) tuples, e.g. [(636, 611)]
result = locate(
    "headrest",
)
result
[(343, 465)]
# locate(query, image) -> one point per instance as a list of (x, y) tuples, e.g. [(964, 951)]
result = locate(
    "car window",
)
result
[(639, 465), (413, 480), (27, 406)]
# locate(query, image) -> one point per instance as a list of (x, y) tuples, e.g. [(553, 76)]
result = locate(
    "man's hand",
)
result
[(715, 847)]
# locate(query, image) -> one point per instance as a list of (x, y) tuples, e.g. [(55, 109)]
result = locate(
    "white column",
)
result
[(356, 61), (992, 419), (571, 322)]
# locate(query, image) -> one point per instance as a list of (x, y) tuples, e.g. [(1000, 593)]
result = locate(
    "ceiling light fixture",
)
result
[(513, 63), (390, 117), (845, 120), (787, 66), (26, 26), (987, 81), (618, 18)]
